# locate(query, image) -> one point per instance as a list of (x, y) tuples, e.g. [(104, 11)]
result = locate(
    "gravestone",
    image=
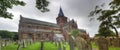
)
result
[(116, 42), (81, 44), (72, 43), (59, 45), (89, 46), (19, 45), (42, 45), (64, 47), (24, 43), (3, 43), (31, 41), (55, 43), (109, 42), (102, 43)]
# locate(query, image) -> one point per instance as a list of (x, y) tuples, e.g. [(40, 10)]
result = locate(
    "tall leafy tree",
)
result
[(108, 17), (105, 31), (42, 5), (8, 4), (6, 34), (74, 32)]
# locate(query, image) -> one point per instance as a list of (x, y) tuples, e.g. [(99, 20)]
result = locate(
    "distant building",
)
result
[(41, 30)]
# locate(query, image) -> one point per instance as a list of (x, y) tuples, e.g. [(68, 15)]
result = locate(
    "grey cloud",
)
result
[(73, 9)]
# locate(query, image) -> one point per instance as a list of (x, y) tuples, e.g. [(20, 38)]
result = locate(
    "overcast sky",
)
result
[(73, 9)]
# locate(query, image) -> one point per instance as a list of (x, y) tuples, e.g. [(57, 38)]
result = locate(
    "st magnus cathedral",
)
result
[(41, 30)]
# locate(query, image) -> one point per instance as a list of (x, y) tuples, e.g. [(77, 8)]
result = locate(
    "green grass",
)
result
[(114, 48), (35, 46), (110, 48), (48, 46)]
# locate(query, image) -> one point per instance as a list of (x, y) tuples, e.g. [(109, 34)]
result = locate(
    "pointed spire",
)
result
[(61, 12)]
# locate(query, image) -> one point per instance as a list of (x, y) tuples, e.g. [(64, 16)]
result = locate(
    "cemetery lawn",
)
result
[(35, 46), (95, 47)]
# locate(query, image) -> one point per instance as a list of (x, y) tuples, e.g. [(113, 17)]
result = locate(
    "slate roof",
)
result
[(38, 22), (61, 14)]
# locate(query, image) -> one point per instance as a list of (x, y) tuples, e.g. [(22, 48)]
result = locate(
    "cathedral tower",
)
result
[(61, 19)]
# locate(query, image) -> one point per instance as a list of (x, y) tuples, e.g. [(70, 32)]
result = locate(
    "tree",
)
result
[(105, 31), (15, 36), (8, 4), (108, 17), (42, 5), (74, 32), (6, 34)]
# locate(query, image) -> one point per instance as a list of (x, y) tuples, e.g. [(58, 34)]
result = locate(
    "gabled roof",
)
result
[(38, 22)]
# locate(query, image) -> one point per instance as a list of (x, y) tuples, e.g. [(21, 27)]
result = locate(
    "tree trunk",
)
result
[(116, 31)]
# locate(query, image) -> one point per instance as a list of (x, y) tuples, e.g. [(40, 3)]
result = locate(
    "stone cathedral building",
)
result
[(41, 30)]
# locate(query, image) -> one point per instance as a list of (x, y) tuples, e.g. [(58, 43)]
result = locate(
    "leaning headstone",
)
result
[(24, 44), (3, 43), (42, 45), (116, 42), (81, 44), (89, 46), (64, 47), (19, 45), (102, 43), (59, 45), (72, 43), (55, 43), (31, 41)]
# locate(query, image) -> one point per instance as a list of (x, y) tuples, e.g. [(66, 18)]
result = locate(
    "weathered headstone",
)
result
[(102, 43), (3, 43), (59, 45), (64, 47), (42, 45), (116, 42), (72, 43), (55, 43), (81, 44), (89, 46), (19, 45), (24, 43), (31, 41)]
